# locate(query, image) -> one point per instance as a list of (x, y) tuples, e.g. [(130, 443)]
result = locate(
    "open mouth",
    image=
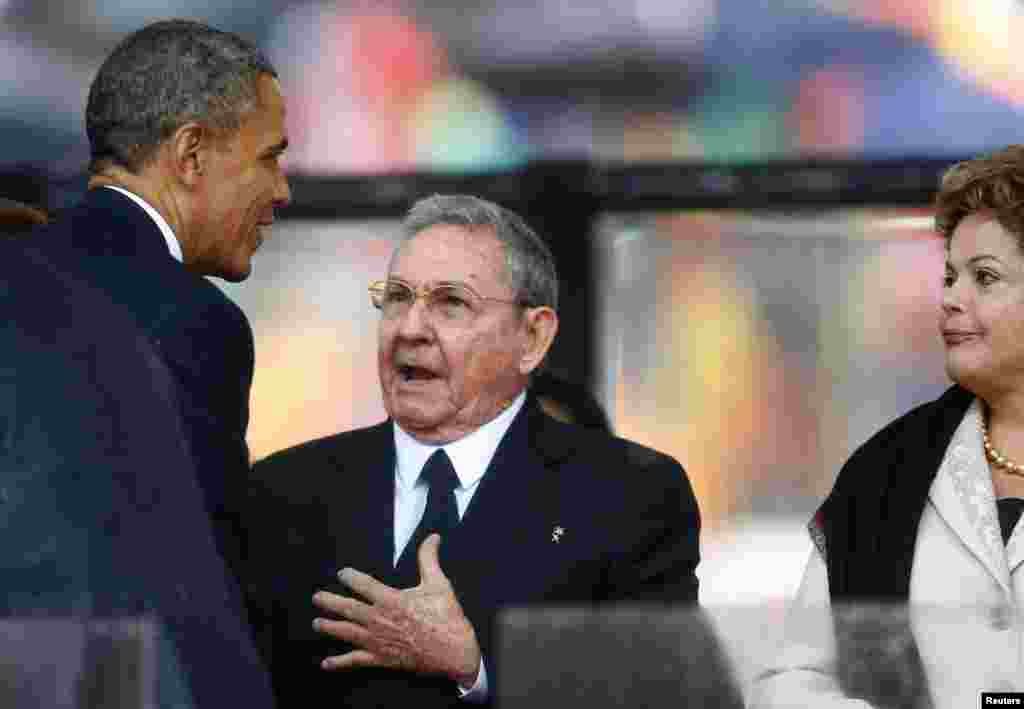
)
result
[(412, 373)]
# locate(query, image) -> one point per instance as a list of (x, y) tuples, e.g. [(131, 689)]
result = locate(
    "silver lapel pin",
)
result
[(556, 534)]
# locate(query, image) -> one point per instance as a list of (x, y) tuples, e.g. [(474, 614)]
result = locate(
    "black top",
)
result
[(1010, 509)]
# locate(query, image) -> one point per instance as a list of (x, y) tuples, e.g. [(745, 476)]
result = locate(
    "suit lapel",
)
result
[(363, 533), (520, 462), (963, 496), (515, 491)]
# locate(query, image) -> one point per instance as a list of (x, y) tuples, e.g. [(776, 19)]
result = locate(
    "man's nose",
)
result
[(416, 320)]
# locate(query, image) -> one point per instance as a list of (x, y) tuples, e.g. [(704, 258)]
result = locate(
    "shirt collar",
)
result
[(470, 455), (173, 245)]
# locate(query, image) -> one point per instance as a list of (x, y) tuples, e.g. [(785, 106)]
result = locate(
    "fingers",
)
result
[(429, 562), (356, 658), (342, 630), (350, 608), (366, 586)]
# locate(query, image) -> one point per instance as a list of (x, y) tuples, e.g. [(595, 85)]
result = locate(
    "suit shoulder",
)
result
[(602, 447), (630, 481), (213, 295), (644, 456), (187, 294), (620, 461), (329, 451)]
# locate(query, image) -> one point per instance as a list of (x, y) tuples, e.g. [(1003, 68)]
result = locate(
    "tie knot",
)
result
[(439, 473)]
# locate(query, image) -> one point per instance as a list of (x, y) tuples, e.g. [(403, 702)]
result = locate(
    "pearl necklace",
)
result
[(995, 456)]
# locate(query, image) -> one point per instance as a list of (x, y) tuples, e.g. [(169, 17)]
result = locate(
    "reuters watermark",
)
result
[(1002, 699)]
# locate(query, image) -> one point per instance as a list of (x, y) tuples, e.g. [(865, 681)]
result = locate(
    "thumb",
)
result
[(429, 561)]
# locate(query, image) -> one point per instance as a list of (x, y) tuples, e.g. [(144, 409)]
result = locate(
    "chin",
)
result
[(425, 432), (412, 417), (968, 375), (236, 274)]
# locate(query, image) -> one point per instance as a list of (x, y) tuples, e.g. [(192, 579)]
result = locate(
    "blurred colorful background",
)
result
[(758, 346), (392, 86)]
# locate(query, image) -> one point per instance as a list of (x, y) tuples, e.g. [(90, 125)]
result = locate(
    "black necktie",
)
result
[(441, 514)]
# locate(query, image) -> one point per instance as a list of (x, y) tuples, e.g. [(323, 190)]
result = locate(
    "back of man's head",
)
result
[(163, 76)]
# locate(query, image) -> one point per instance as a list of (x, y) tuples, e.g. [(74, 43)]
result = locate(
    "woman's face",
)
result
[(982, 318)]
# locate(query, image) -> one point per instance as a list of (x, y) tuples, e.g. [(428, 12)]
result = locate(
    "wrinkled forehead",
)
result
[(451, 252)]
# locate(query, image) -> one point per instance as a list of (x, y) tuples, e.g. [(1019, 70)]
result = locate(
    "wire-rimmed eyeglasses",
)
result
[(445, 301)]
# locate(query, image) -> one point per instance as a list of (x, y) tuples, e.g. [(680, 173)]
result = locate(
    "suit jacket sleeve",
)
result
[(660, 551), (210, 354), (214, 346)]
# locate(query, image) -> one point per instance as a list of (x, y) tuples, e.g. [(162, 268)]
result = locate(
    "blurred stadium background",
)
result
[(737, 193)]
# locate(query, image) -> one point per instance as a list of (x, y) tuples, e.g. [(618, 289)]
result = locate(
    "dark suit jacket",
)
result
[(99, 505), (202, 336), (628, 513)]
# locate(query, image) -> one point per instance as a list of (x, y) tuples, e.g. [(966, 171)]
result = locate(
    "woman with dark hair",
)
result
[(926, 512), (16, 217)]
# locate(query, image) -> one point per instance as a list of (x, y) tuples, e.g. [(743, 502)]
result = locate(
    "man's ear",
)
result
[(188, 152), (541, 327)]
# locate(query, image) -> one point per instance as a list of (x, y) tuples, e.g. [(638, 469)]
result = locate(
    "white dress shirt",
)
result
[(470, 457), (173, 245)]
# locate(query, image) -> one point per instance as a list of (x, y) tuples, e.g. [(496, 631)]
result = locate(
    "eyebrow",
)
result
[(434, 284), (976, 259)]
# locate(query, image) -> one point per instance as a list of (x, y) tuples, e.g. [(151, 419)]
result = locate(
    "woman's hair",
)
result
[(992, 183), (16, 217)]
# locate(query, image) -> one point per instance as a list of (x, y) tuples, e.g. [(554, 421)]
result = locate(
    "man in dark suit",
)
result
[(186, 125), (99, 505), (529, 510)]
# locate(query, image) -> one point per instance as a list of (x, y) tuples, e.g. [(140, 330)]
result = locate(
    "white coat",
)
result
[(966, 598)]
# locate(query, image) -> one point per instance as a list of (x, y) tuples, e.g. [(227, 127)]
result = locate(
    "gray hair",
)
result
[(529, 265), (163, 76)]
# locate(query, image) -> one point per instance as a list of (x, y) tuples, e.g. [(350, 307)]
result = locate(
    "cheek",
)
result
[(236, 195), (384, 343), (461, 355), (485, 361), (1007, 329)]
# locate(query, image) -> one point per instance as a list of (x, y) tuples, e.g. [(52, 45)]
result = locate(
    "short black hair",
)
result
[(163, 76)]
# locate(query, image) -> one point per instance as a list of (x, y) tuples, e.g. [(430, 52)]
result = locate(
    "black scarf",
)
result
[(870, 519), (870, 523)]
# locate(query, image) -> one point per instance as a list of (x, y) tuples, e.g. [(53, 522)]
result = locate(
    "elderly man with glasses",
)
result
[(381, 556)]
